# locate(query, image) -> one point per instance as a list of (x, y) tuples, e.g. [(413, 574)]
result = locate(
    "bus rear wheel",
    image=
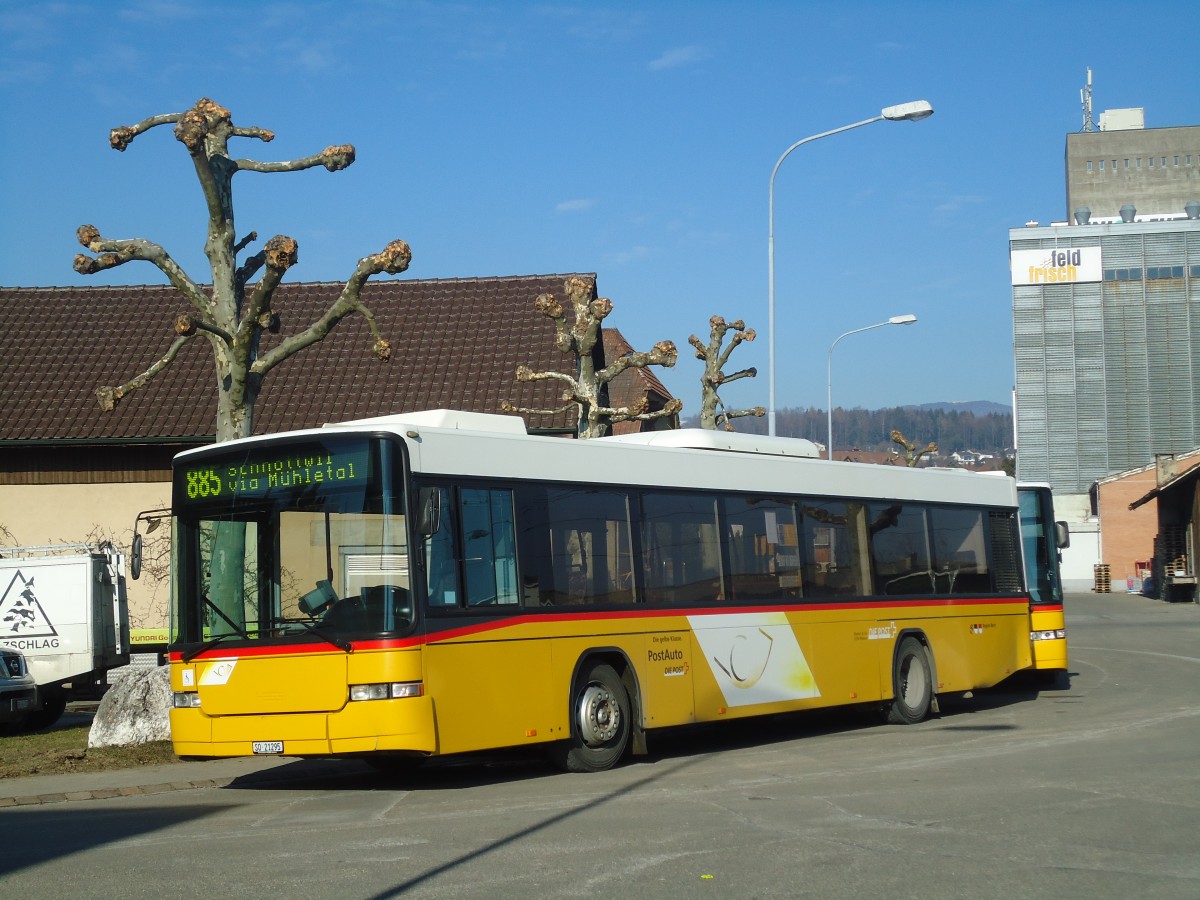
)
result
[(912, 683), (600, 723)]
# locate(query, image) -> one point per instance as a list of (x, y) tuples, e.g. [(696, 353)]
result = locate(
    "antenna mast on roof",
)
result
[(1085, 97)]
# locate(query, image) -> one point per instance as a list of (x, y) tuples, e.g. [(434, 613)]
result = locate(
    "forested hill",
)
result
[(952, 426)]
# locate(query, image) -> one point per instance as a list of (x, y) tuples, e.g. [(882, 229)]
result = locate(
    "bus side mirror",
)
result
[(153, 518), (1062, 535), (429, 500), (135, 557)]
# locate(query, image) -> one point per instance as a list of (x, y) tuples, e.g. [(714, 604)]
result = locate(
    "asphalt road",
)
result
[(1087, 790)]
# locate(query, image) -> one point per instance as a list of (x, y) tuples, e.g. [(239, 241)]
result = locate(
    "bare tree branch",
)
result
[(123, 135), (393, 259), (279, 255), (263, 134), (912, 456), (233, 322), (110, 396), (332, 158), (244, 242), (507, 407), (713, 412), (580, 338), (641, 414), (187, 326), (663, 354), (524, 373), (117, 253)]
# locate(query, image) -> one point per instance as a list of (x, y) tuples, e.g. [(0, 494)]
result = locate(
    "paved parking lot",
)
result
[(1087, 790)]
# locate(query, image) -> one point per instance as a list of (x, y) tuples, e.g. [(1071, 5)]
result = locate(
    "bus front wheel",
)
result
[(912, 683), (600, 723)]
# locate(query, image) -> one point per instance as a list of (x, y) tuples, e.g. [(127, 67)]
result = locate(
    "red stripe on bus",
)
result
[(503, 622)]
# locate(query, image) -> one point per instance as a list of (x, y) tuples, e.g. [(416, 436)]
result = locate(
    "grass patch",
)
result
[(64, 750)]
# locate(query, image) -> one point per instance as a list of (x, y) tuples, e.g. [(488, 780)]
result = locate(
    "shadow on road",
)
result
[(42, 834), (674, 744)]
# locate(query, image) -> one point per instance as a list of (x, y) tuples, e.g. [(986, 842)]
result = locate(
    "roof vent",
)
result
[(1083, 215), (1192, 208), (1128, 212)]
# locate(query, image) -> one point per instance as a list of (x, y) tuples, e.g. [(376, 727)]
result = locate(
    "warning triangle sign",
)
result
[(21, 615)]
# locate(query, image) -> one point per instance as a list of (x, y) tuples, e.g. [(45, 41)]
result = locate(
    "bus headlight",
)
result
[(185, 700), (386, 691), (1054, 634)]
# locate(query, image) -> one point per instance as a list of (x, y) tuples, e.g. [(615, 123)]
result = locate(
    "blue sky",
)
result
[(634, 140)]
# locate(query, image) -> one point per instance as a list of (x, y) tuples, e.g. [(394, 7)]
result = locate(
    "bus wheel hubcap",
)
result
[(599, 715)]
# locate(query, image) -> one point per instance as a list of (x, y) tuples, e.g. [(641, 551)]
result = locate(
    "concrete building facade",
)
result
[(1154, 170), (1106, 325)]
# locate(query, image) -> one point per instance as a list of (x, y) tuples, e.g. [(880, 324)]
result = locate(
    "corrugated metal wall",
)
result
[(1108, 373)]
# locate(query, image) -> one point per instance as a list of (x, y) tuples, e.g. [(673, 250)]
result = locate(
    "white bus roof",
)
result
[(482, 445), (707, 439)]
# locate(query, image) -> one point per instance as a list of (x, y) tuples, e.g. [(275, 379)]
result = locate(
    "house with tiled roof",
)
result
[(70, 471)]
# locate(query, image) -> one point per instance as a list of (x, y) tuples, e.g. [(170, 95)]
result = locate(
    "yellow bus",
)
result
[(442, 582), (1042, 543)]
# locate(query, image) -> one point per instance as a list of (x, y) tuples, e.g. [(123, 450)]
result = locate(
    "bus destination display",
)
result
[(283, 471)]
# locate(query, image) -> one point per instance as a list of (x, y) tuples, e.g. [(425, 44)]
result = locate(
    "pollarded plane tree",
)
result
[(233, 315), (588, 388), (912, 456), (713, 412)]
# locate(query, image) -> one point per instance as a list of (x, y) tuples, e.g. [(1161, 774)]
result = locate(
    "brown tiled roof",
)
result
[(456, 343)]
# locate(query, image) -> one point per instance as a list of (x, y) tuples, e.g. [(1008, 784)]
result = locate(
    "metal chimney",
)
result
[(1128, 212), (1192, 208), (1083, 215)]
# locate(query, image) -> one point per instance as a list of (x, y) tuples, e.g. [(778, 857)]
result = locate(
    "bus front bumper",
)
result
[(360, 727)]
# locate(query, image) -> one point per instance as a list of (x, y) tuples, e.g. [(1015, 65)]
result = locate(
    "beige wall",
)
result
[(86, 513)]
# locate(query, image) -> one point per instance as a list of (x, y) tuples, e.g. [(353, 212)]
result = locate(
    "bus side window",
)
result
[(959, 551), (900, 549), (834, 555), (489, 544), (575, 546), (681, 548), (764, 550), (441, 556)]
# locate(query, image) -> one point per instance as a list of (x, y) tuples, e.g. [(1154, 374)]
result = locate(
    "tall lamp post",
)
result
[(906, 319), (904, 112)]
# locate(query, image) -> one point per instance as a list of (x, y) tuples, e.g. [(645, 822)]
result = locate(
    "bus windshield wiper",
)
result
[(238, 631), (208, 645), (329, 637)]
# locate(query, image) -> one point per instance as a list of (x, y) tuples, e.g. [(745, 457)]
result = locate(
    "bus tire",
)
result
[(600, 723), (912, 684)]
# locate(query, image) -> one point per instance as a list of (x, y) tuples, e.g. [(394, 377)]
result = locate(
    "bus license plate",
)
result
[(268, 747)]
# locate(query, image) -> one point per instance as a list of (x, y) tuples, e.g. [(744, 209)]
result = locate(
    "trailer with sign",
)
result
[(64, 606)]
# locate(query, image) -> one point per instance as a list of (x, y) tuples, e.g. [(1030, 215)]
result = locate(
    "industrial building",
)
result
[(1106, 323)]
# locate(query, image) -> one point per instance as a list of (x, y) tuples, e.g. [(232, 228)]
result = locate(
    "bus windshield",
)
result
[(290, 541), (1039, 544)]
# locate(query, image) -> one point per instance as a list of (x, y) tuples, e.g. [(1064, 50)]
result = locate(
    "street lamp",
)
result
[(906, 319), (904, 112)]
